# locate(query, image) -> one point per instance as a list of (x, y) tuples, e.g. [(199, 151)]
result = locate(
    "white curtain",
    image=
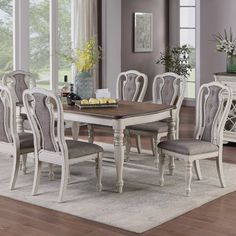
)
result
[(84, 26)]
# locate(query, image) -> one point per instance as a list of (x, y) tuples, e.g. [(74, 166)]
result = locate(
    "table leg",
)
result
[(172, 126), (75, 130), (19, 123), (119, 157), (172, 136)]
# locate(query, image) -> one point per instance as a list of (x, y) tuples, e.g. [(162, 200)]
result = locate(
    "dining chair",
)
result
[(43, 109), (11, 142), (131, 86), (167, 89), (212, 108), (18, 81)]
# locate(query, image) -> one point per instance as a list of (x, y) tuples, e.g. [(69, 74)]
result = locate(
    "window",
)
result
[(6, 32), (64, 26), (187, 36), (39, 42)]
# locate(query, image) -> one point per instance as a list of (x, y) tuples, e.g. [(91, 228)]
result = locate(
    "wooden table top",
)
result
[(124, 110)]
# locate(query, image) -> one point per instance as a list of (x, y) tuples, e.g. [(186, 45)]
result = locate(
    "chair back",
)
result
[(131, 86), (18, 81), (212, 108), (7, 116), (44, 110), (168, 89)]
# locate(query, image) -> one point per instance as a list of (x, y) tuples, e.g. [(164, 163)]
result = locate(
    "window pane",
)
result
[(190, 90), (39, 42), (187, 16), (187, 3), (187, 36), (64, 24), (6, 45)]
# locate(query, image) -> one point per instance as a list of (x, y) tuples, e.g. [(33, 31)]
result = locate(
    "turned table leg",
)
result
[(119, 157)]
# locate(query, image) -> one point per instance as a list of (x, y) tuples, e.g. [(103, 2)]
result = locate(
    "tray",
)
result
[(105, 105)]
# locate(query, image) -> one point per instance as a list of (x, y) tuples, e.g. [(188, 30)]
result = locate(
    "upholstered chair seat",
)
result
[(154, 127), (79, 149), (212, 108), (189, 146)]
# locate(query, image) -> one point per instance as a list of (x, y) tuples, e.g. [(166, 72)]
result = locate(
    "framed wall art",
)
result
[(143, 27)]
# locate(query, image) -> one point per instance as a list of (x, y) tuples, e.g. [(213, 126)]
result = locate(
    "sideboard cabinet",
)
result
[(229, 79)]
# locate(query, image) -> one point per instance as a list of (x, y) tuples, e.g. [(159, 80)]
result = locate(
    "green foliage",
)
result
[(176, 60), (6, 48)]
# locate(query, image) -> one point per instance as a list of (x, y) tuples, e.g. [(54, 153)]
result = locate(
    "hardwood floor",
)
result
[(216, 218)]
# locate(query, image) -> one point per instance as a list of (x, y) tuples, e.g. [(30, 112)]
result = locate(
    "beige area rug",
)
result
[(142, 206)]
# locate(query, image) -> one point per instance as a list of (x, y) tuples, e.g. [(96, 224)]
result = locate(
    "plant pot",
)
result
[(231, 63), (84, 85)]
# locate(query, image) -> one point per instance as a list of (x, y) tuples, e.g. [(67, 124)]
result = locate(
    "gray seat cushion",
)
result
[(157, 126), (79, 149), (26, 142), (188, 146)]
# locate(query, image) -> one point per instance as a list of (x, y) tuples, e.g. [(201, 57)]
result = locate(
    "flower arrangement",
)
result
[(176, 60), (226, 43), (86, 57)]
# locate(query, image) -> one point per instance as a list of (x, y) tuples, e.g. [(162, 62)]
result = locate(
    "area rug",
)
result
[(143, 204)]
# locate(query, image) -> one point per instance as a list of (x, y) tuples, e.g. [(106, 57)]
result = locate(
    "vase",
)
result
[(84, 85), (231, 63)]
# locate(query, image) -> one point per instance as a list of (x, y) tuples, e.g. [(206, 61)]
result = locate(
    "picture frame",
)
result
[(143, 32)]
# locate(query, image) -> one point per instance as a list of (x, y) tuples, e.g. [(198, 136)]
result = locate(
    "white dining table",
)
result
[(118, 118)]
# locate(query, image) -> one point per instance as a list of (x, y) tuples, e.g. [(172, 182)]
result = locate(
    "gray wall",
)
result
[(144, 62), (216, 15)]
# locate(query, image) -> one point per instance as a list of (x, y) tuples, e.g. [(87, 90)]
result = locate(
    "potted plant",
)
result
[(227, 43), (176, 60), (84, 59)]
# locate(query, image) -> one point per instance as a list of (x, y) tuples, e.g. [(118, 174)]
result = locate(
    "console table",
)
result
[(229, 79)]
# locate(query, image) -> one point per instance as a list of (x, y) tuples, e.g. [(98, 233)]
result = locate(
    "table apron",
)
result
[(88, 119)]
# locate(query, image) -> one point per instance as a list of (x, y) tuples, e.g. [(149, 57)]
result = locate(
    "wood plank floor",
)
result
[(216, 218)]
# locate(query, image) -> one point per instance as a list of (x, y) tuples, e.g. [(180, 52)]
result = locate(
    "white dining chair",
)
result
[(18, 81), (11, 142), (167, 89), (212, 108), (43, 110), (131, 86)]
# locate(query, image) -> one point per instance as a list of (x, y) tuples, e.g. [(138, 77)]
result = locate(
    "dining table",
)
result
[(120, 117)]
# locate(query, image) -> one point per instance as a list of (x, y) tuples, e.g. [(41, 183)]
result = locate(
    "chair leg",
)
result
[(64, 181), (153, 146), (171, 165), (127, 145), (24, 160), (75, 130), (162, 168), (197, 169), (156, 140), (16, 165), (219, 166), (188, 177), (90, 134), (99, 171), (138, 143), (37, 173)]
